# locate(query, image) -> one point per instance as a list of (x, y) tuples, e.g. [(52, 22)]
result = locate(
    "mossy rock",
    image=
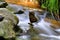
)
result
[(3, 4), (7, 22)]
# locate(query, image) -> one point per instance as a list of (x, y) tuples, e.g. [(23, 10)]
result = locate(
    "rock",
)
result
[(1, 18), (7, 24), (32, 17), (3, 4), (19, 12)]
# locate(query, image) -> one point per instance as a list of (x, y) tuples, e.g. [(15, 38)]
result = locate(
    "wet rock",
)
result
[(7, 24), (3, 4), (1, 18), (32, 17), (19, 12)]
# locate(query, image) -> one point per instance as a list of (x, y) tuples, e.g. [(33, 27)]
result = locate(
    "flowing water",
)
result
[(43, 25), (46, 32)]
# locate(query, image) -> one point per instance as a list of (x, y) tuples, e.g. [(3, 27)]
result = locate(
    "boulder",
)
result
[(7, 22)]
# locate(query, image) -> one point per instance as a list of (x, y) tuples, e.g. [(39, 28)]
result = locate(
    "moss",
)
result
[(7, 24)]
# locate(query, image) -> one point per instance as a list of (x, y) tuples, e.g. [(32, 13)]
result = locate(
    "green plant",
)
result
[(51, 5)]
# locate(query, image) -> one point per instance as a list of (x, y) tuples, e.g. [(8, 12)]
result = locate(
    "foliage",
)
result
[(51, 5)]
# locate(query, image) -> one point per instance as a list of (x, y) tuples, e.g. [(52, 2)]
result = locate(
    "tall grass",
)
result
[(52, 6)]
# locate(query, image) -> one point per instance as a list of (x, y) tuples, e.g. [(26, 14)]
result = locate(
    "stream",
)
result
[(46, 32)]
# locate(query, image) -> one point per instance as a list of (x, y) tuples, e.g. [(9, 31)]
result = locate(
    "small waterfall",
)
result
[(24, 20), (43, 25), (40, 25)]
